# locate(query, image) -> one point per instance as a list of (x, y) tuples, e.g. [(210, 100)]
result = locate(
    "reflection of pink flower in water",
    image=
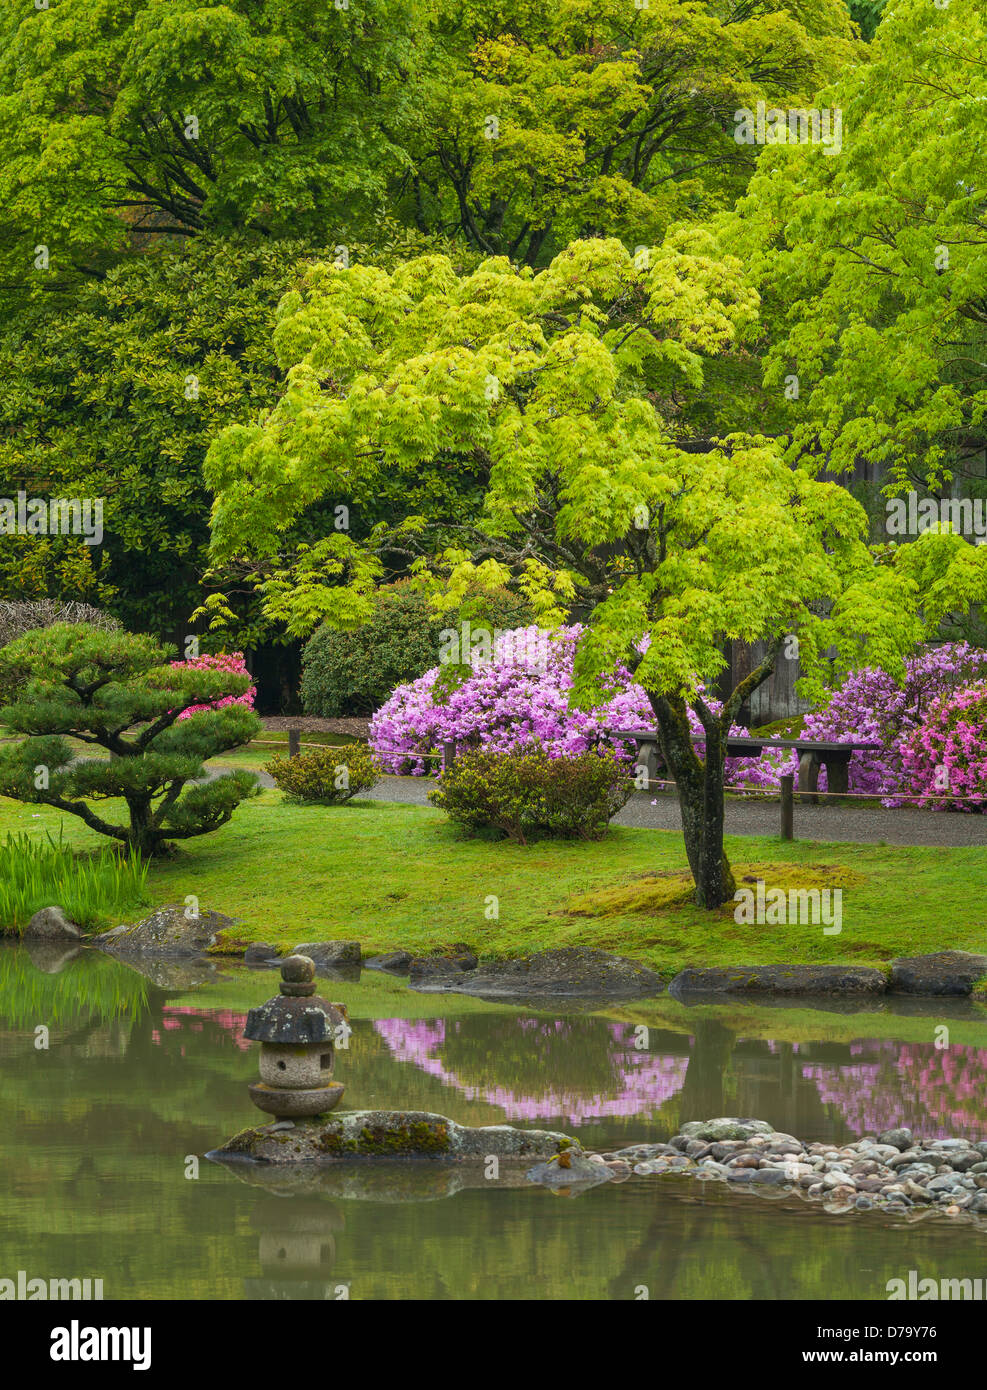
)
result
[(937, 1092), (643, 1081), (183, 1018), (411, 1040)]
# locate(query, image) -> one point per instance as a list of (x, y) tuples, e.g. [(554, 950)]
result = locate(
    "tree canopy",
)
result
[(118, 393), (516, 126), (876, 262), (122, 123), (555, 119)]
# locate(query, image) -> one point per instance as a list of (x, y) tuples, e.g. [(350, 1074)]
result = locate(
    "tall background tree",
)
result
[(125, 124), (874, 264), (118, 392), (554, 119)]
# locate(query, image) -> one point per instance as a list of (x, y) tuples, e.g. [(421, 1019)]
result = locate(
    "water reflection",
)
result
[(577, 1070), (601, 1076), (296, 1250), (140, 1074)]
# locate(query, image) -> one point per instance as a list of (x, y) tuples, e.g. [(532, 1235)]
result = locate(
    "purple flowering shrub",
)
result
[(947, 752), (521, 695)]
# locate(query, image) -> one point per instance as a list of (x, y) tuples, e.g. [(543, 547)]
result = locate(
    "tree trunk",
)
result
[(699, 784), (143, 837)]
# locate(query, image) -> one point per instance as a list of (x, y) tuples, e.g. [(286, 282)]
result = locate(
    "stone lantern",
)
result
[(296, 1031)]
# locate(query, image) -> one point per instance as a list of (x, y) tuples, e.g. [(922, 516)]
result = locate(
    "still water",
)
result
[(101, 1130)]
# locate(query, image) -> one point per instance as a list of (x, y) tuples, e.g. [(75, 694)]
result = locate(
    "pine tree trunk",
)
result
[(142, 838)]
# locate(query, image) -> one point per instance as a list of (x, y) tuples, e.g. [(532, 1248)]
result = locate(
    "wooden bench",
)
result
[(812, 754)]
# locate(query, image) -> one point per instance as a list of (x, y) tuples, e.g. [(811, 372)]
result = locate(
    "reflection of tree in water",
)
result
[(576, 1069), (89, 990), (938, 1092), (709, 1063)]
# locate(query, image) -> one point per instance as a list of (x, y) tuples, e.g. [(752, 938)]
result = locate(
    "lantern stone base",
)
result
[(295, 1104)]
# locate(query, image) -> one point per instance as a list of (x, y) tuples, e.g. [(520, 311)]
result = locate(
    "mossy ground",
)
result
[(665, 891), (397, 876)]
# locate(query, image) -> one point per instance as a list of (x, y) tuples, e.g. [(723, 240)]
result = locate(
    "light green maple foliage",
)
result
[(563, 389)]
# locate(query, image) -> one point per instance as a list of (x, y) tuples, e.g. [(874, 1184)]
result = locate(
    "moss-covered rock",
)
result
[(167, 931), (389, 1134)]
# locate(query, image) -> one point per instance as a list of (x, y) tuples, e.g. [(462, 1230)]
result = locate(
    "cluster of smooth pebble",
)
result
[(892, 1171)]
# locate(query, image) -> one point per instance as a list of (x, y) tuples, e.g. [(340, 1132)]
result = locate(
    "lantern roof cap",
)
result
[(297, 1014)]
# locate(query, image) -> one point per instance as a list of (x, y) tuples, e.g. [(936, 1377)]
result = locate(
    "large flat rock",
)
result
[(943, 972), (779, 979), (390, 1134), (568, 972)]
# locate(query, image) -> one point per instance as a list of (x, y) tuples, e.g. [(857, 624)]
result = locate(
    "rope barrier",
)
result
[(858, 796)]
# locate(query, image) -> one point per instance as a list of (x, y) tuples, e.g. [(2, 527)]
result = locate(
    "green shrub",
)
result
[(36, 874), (332, 775), (527, 792), (353, 673)]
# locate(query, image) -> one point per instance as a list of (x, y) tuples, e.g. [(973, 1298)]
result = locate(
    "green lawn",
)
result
[(399, 876)]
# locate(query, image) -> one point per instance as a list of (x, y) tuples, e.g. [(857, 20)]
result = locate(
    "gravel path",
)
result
[(847, 823)]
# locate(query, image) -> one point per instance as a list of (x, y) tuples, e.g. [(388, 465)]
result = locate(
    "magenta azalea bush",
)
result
[(227, 661), (945, 757), (521, 695)]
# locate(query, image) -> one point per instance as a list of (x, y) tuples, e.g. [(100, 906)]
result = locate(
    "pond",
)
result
[(101, 1130)]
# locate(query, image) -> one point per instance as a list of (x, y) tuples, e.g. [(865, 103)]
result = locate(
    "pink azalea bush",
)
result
[(226, 661), (871, 707), (520, 695), (947, 752)]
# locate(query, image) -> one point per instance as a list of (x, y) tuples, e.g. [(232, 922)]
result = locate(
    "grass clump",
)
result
[(47, 873)]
